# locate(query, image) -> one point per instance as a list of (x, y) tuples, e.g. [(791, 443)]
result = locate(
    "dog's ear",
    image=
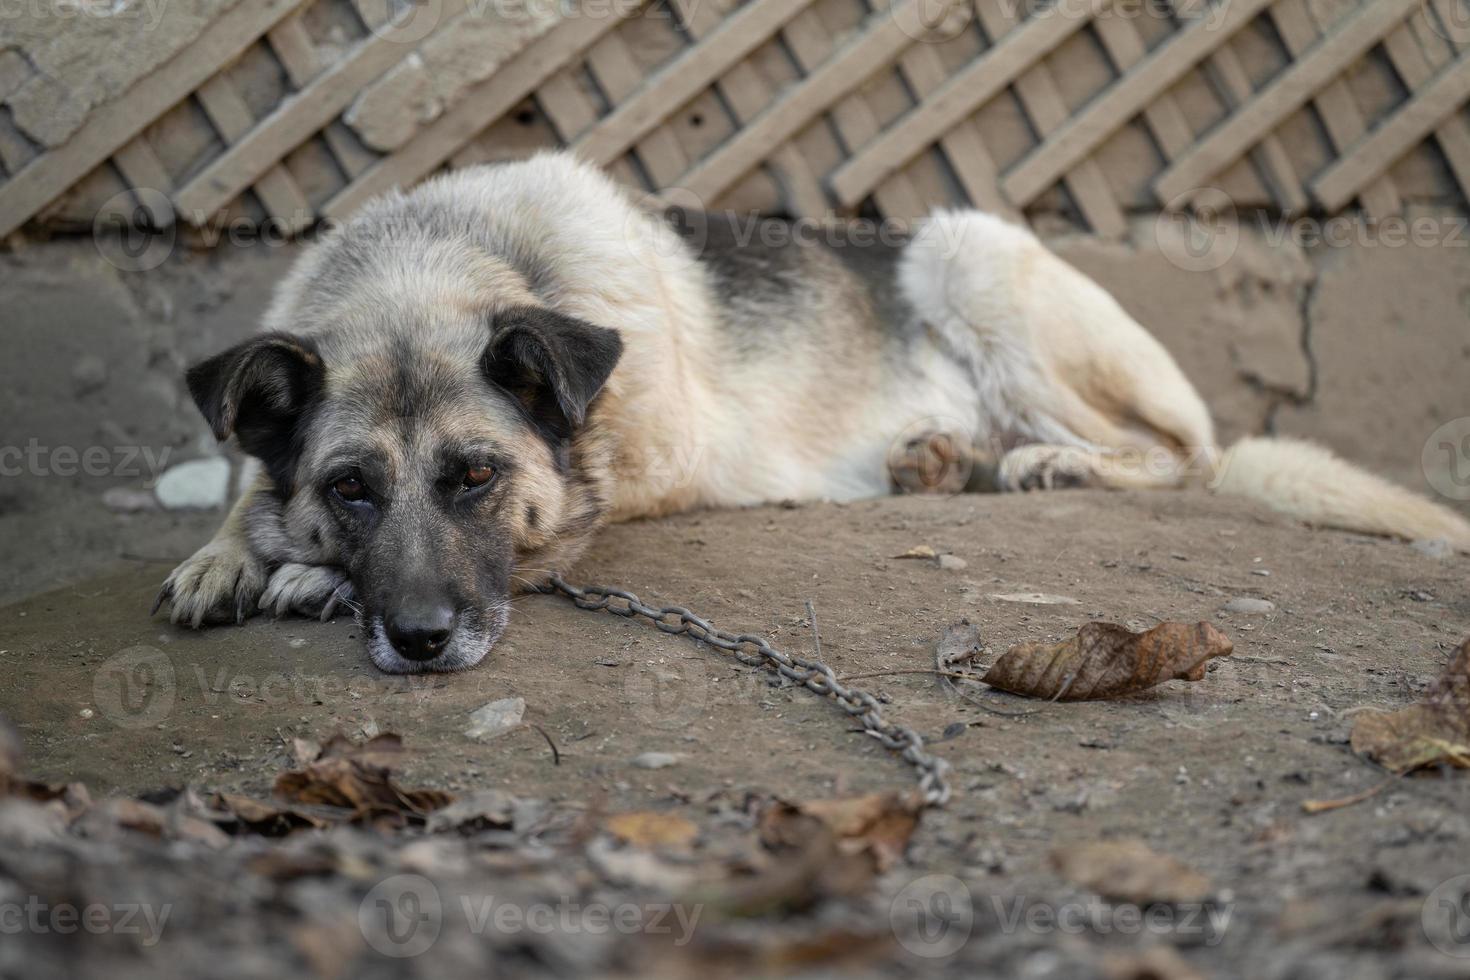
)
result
[(259, 391), (553, 364)]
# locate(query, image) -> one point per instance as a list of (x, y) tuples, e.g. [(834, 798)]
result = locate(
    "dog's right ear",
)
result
[(259, 391)]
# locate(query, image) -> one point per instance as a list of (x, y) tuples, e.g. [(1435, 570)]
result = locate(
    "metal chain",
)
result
[(754, 651)]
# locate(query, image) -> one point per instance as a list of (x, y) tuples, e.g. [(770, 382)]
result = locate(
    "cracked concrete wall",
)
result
[(60, 59), (423, 86)]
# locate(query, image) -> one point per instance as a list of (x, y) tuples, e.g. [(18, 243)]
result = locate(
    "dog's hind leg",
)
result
[(1078, 392)]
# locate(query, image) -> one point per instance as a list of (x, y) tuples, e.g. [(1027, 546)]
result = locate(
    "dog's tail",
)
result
[(1312, 484)]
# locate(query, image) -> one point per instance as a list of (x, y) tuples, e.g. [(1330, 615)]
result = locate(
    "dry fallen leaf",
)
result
[(269, 819), (646, 828), (1153, 963), (1129, 871), (1433, 732), (1105, 660), (358, 778), (879, 824), (817, 851), (918, 552)]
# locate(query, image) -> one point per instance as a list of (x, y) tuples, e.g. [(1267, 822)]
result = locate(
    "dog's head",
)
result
[(440, 465)]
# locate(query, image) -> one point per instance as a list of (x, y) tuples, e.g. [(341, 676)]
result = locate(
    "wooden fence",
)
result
[(1090, 109)]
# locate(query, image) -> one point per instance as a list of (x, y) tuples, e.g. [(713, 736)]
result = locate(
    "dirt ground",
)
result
[(1213, 774)]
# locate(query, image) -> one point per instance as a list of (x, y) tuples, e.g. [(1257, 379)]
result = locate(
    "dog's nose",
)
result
[(420, 633)]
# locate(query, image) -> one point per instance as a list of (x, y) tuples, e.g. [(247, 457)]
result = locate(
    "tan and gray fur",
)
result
[(530, 319)]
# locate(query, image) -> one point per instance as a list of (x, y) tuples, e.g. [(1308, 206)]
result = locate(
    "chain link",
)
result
[(754, 651)]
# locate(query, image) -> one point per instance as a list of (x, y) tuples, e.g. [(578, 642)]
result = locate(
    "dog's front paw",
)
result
[(307, 590), (220, 584)]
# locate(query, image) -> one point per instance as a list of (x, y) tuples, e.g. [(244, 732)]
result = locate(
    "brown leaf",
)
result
[(268, 819), (1433, 732), (1154, 963), (1129, 871), (648, 829), (879, 823), (1105, 660), (820, 850), (358, 778)]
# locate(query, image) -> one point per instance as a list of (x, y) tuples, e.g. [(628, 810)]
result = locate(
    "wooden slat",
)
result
[(959, 98), (876, 46), (1338, 110), (964, 145), (674, 85), (1043, 104), (1417, 66), (297, 119), (142, 169), (1125, 99), (1287, 92), (1124, 45), (746, 93), (811, 44), (105, 131), (1371, 156), (1270, 157), (276, 188), (620, 77), (303, 63), (480, 106)]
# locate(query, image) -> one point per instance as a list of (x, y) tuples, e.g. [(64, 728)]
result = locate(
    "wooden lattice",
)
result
[(1090, 108)]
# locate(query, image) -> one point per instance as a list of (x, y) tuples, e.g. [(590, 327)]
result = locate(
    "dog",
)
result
[(456, 389)]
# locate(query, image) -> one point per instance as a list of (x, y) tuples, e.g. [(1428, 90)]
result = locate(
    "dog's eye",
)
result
[(350, 489), (478, 476)]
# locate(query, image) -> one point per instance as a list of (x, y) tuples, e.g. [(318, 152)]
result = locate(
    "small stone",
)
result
[(1249, 606), (496, 718), (1433, 547), (128, 500), (85, 713), (656, 760), (199, 484), (88, 374), (1035, 598), (950, 563)]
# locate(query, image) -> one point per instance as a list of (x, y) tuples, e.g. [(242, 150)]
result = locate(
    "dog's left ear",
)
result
[(553, 364), (259, 391)]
